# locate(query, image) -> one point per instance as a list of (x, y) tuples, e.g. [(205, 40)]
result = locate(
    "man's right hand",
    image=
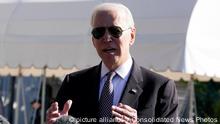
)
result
[(53, 112)]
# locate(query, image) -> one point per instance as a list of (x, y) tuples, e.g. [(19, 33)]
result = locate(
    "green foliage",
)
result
[(208, 99)]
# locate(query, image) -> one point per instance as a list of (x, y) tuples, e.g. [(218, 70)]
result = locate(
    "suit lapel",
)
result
[(95, 79), (133, 89)]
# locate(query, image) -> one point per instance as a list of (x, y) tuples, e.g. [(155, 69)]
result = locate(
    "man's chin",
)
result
[(110, 60)]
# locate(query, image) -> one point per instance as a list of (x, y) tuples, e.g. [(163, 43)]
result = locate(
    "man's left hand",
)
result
[(124, 114)]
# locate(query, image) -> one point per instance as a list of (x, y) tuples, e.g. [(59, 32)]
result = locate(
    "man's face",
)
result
[(112, 50)]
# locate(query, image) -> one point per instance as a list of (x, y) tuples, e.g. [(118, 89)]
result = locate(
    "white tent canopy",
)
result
[(57, 33), (203, 39)]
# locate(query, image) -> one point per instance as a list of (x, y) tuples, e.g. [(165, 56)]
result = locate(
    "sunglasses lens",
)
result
[(98, 32), (115, 31)]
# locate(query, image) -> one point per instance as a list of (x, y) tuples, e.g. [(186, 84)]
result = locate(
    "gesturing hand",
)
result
[(53, 112), (124, 114)]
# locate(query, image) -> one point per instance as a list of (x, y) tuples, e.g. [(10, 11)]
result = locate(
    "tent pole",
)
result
[(24, 103), (16, 104), (43, 94), (192, 108)]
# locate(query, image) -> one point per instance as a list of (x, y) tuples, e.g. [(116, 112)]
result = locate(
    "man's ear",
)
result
[(133, 34), (93, 42)]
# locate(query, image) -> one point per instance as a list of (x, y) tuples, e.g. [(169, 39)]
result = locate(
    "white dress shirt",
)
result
[(119, 81)]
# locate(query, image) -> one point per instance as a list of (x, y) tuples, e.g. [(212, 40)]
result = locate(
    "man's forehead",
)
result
[(110, 16), (111, 12)]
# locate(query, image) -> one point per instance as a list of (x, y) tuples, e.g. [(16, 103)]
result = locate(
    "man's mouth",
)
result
[(109, 50)]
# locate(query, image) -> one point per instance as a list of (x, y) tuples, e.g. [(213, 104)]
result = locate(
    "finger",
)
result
[(53, 107), (122, 117), (121, 111), (120, 120), (116, 114), (66, 107), (127, 107), (132, 113), (52, 112), (53, 115), (51, 120)]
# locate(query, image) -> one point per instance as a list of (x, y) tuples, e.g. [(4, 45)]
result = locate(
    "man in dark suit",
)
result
[(138, 95)]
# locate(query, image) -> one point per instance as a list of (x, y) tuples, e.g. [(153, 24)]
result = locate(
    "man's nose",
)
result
[(107, 36)]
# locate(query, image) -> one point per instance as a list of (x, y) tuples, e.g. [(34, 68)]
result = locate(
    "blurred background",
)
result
[(42, 40)]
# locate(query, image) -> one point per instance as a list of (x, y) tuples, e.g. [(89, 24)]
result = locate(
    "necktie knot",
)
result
[(110, 75)]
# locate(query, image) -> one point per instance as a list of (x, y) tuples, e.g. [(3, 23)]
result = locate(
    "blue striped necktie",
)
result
[(106, 98)]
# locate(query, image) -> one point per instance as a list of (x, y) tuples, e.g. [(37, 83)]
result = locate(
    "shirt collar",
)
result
[(122, 70)]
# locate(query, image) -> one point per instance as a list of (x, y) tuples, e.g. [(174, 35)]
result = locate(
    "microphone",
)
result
[(66, 119)]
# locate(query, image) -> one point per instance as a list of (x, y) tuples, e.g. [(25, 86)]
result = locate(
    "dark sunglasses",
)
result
[(114, 31)]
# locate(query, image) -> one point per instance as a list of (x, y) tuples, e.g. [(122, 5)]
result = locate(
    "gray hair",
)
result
[(111, 6)]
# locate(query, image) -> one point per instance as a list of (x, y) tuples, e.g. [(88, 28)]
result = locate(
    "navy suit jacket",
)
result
[(152, 95)]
